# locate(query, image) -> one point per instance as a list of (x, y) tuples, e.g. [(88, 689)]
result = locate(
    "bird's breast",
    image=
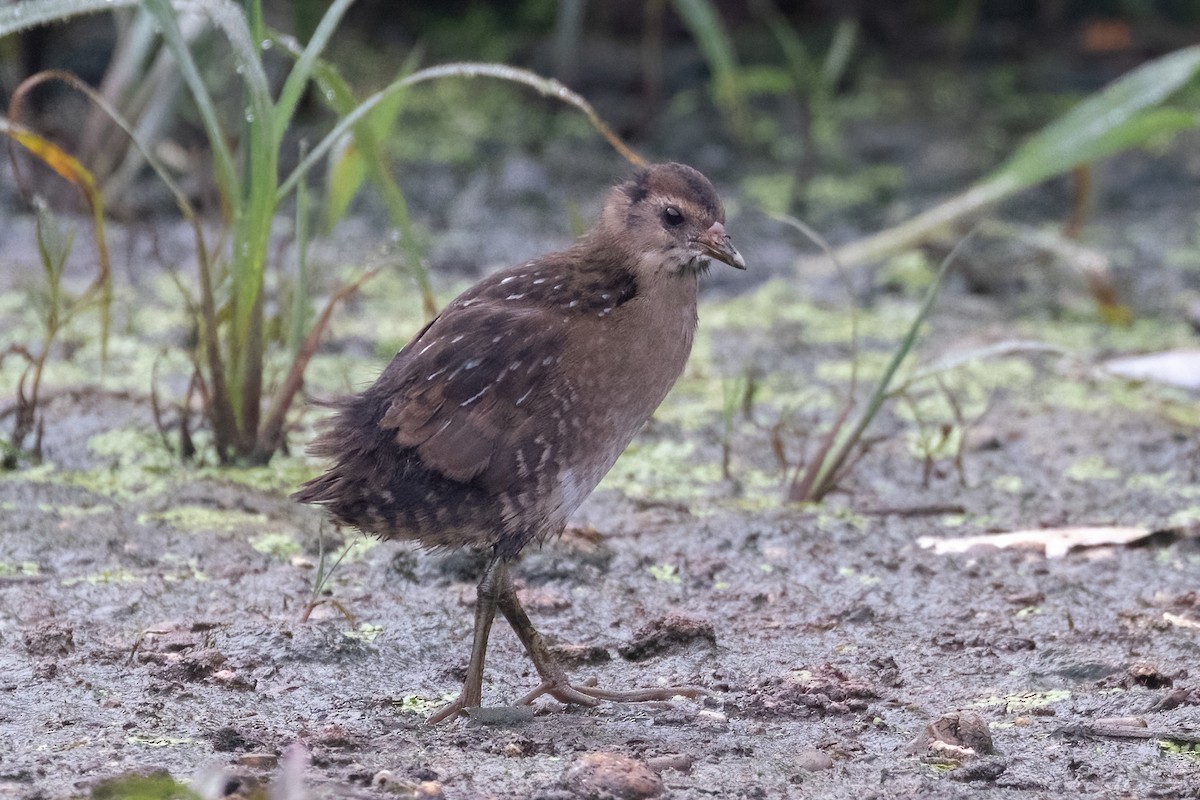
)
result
[(615, 371)]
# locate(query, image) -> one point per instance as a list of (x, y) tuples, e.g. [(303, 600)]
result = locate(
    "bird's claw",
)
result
[(451, 709)]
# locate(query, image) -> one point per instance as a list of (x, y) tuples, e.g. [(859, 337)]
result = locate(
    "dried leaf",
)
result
[(1054, 542), (1173, 367), (1180, 621)]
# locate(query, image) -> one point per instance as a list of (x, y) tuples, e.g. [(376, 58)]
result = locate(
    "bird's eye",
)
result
[(672, 216)]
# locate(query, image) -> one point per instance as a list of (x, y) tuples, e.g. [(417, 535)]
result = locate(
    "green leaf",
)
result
[(1117, 118), (355, 158), (298, 78)]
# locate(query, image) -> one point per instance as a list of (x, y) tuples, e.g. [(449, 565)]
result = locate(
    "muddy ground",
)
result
[(151, 612)]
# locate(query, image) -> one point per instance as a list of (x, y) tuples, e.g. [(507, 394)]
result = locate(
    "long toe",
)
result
[(561, 691), (642, 695), (570, 694), (451, 709)]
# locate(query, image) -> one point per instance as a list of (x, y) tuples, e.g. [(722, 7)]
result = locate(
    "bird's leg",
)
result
[(554, 678), (486, 596)]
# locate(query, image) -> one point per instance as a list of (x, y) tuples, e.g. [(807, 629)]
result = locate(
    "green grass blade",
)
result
[(1119, 117), (293, 87), (1109, 121), (252, 9), (254, 212), (705, 25), (837, 58), (350, 166), (546, 86), (300, 295), (364, 157), (251, 197), (21, 16), (795, 52), (226, 173), (831, 466)]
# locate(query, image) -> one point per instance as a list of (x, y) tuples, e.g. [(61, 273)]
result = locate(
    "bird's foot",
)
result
[(450, 710), (569, 694)]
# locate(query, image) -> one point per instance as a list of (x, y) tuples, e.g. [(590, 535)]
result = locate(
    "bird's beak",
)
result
[(715, 243)]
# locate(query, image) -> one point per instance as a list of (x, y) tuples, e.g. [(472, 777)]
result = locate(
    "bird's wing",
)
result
[(461, 389)]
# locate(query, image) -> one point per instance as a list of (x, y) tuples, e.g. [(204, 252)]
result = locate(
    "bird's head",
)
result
[(669, 219)]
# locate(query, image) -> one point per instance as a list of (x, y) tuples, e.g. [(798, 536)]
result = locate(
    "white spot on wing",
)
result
[(478, 395)]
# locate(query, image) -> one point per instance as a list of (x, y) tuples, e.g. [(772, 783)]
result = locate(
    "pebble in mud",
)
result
[(666, 633), (817, 690), (956, 736), (386, 781), (49, 639), (813, 760), (258, 760), (679, 762), (577, 655), (610, 776)]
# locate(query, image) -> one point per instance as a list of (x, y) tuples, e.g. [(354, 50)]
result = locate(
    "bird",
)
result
[(499, 418)]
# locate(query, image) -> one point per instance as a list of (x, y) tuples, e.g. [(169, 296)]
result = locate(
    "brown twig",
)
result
[(271, 435)]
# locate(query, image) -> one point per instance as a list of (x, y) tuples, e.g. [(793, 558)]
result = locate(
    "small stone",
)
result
[(429, 789), (1027, 597), (258, 760), (610, 776), (49, 639), (1122, 722), (984, 769), (1149, 675), (386, 781), (813, 760), (336, 736), (956, 736), (680, 762), (382, 778), (707, 718), (667, 633), (578, 655), (226, 740)]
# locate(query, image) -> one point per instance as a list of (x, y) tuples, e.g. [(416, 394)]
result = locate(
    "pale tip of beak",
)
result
[(718, 245)]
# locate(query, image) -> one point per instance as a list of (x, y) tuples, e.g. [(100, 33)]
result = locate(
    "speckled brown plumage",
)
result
[(501, 416)]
